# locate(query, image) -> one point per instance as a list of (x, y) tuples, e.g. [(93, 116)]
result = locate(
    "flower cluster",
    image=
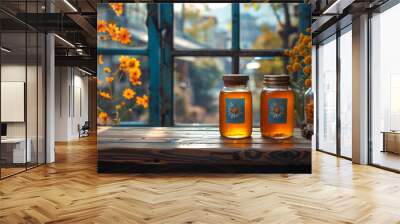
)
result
[(300, 60), (300, 55), (127, 100), (111, 30), (117, 7), (119, 90)]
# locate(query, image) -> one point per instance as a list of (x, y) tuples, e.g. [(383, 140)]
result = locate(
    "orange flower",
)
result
[(134, 72), (118, 8), (98, 81), (113, 30), (123, 62), (307, 60), (303, 53), (296, 67), (133, 63), (128, 93), (105, 95), (109, 79), (101, 26), (308, 30), (107, 69), (307, 70), (100, 60), (103, 116), (123, 103), (144, 101), (124, 36), (135, 80), (307, 83)]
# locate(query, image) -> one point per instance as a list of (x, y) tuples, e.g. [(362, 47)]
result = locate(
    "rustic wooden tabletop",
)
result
[(198, 149)]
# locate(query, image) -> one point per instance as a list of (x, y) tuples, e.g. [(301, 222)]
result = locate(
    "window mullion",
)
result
[(167, 62), (154, 68), (235, 37)]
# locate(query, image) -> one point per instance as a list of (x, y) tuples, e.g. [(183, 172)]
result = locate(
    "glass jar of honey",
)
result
[(235, 107), (277, 107)]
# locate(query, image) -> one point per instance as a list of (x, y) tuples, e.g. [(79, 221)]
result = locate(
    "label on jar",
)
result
[(234, 110), (277, 110)]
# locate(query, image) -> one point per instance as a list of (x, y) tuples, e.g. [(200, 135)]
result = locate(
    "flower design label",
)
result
[(234, 110), (277, 110)]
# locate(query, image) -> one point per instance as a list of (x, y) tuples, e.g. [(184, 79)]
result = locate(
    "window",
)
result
[(327, 96), (22, 79), (130, 18), (123, 64), (261, 26), (202, 25), (197, 82), (385, 88), (185, 48), (346, 93)]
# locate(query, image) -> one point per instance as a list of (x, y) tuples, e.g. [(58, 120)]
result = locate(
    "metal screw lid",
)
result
[(235, 79), (276, 80)]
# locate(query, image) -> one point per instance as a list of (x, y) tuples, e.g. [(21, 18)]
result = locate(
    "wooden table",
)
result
[(198, 149)]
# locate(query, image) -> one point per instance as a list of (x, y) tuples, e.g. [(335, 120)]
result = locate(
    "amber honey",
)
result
[(233, 129), (277, 109), (235, 107)]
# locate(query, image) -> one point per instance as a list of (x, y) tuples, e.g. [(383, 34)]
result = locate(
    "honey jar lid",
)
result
[(276, 80), (235, 79)]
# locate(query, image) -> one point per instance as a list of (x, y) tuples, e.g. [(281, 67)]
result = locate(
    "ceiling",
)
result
[(72, 20)]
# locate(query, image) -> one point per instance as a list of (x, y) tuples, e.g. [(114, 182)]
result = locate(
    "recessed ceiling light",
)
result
[(5, 50), (70, 5), (84, 71), (64, 40)]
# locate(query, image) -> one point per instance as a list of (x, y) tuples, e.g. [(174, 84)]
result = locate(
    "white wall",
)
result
[(12, 73), (71, 102)]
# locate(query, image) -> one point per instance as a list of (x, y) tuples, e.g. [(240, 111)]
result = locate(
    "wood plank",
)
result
[(202, 149)]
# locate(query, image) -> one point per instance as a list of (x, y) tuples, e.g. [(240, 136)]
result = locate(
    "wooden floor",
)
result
[(387, 159), (71, 191)]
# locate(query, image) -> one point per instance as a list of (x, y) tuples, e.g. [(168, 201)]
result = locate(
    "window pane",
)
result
[(123, 90), (327, 97), (385, 88), (346, 94), (262, 25), (13, 107), (202, 25), (256, 68), (122, 25), (197, 82)]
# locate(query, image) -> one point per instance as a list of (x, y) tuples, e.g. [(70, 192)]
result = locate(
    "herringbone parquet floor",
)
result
[(71, 191)]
